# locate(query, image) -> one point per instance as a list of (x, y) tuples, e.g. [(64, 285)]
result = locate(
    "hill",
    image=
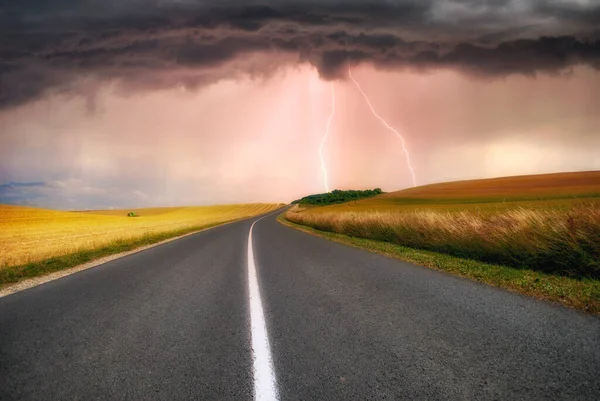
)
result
[(543, 190), (558, 185)]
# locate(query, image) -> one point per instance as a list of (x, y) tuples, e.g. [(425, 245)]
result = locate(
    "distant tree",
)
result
[(337, 196)]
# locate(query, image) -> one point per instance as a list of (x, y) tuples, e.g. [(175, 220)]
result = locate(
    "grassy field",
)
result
[(36, 241), (544, 223)]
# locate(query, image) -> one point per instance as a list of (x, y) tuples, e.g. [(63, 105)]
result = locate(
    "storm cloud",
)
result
[(68, 46)]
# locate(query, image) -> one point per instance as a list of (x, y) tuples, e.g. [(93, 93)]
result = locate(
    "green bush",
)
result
[(337, 196)]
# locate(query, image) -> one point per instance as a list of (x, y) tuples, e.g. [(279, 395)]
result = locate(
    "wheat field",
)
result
[(548, 222), (30, 235), (546, 240)]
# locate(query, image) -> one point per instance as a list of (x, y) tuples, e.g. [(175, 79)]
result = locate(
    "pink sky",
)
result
[(257, 139)]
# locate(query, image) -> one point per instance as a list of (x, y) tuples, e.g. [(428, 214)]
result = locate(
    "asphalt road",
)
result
[(174, 322)]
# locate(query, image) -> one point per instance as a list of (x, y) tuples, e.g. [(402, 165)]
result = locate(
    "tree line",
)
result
[(337, 196)]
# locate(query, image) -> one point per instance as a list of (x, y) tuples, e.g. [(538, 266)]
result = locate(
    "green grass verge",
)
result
[(14, 274), (582, 294)]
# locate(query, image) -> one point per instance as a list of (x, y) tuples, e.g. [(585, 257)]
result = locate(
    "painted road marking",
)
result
[(265, 383)]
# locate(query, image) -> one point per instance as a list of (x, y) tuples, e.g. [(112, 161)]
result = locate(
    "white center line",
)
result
[(265, 383)]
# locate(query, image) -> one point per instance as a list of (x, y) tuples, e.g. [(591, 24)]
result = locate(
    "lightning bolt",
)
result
[(324, 139), (412, 171)]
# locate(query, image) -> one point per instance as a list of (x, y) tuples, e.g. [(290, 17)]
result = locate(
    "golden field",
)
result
[(549, 223), (30, 235)]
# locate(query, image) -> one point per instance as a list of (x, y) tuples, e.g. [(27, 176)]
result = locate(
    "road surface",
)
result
[(326, 322)]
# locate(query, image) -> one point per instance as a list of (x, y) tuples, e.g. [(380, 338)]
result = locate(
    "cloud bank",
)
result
[(69, 46)]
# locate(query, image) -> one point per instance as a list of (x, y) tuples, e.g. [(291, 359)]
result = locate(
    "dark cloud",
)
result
[(55, 45), (70, 194), (14, 185), (20, 193)]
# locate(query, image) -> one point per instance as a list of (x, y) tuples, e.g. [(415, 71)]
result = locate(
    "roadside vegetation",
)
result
[(550, 241), (337, 196), (579, 293), (38, 241), (546, 224)]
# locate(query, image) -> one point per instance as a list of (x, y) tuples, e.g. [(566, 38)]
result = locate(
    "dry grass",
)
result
[(29, 235), (547, 222), (558, 185), (551, 241)]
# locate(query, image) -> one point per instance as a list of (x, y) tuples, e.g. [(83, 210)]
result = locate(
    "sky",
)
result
[(135, 103)]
